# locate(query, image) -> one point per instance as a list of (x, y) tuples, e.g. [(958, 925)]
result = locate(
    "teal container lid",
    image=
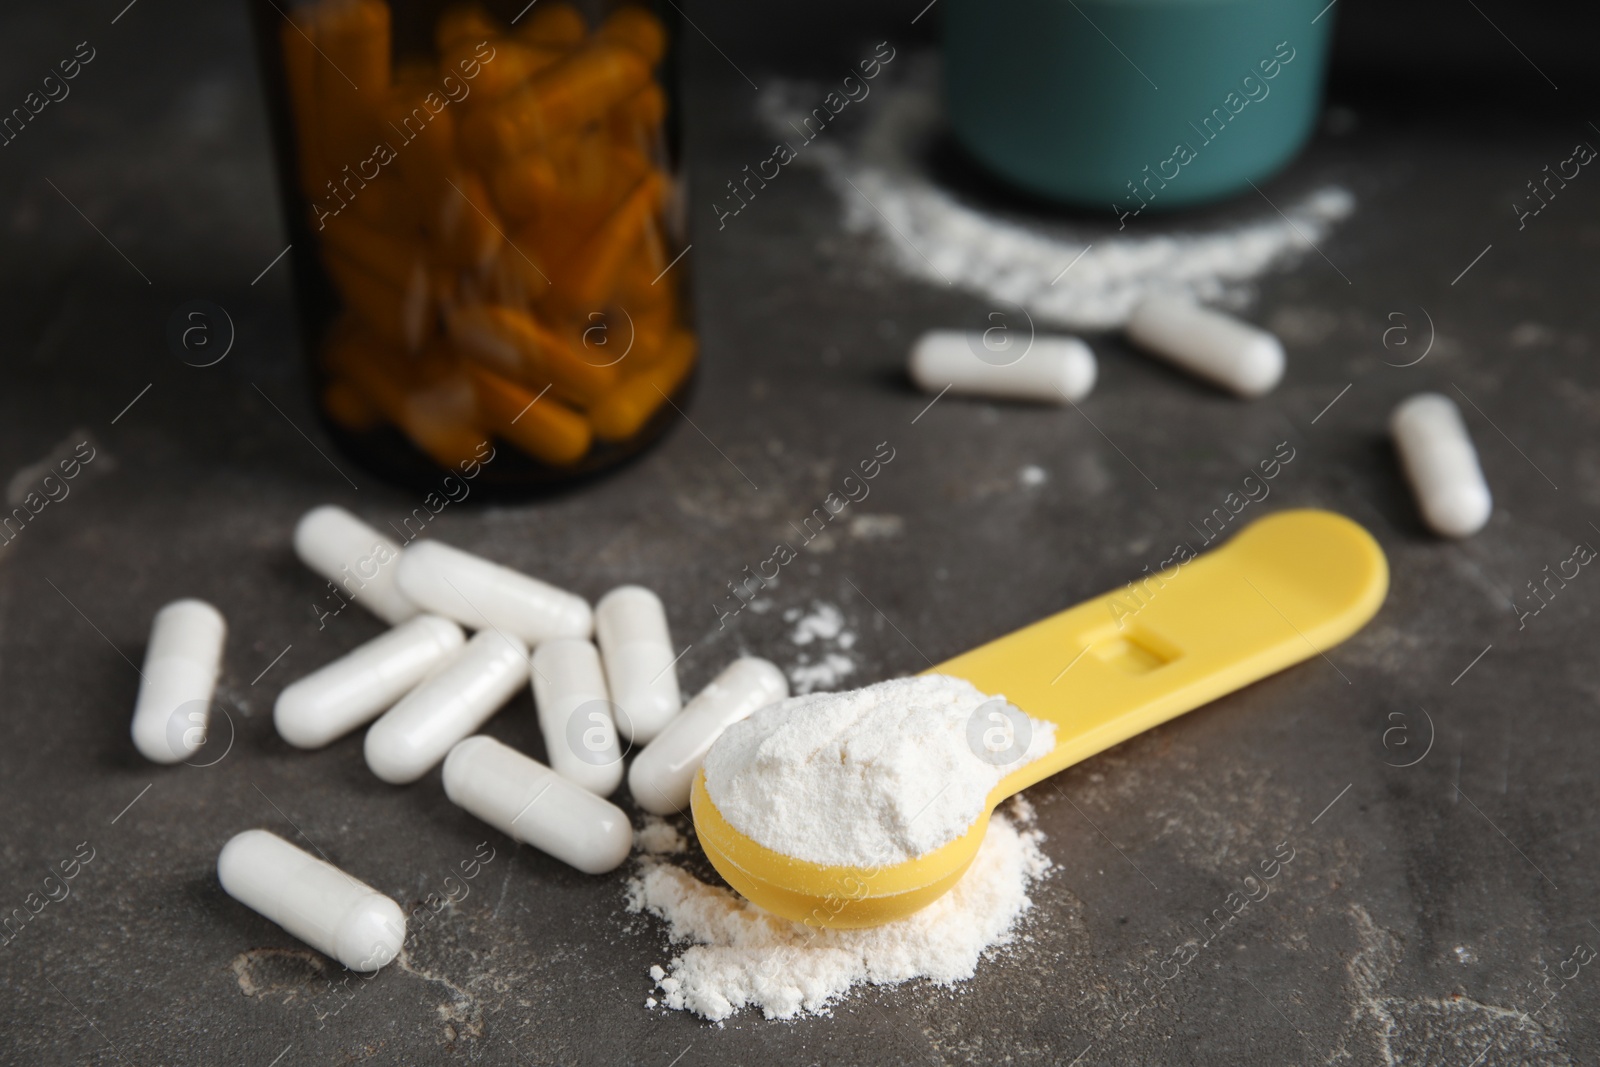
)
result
[(1134, 105)]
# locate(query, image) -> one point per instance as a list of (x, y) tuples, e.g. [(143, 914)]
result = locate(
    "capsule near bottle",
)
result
[(661, 775), (640, 665), (355, 688), (1441, 464), (357, 559), (531, 803), (482, 595), (418, 732), (173, 710), (1046, 369), (576, 715), (1208, 344), (312, 899)]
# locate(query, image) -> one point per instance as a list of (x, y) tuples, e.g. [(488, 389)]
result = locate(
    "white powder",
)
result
[(820, 667), (826, 622), (929, 233), (874, 776), (740, 956), (658, 836), (877, 527), (809, 676)]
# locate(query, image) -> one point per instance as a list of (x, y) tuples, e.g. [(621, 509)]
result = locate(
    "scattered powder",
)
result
[(873, 776), (28, 479), (1032, 476), (824, 674), (828, 667), (1528, 334), (658, 836), (876, 527), (740, 956), (826, 622), (928, 232)]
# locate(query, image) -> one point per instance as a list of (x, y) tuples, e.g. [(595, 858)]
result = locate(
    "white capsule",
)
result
[(630, 624), (453, 703), (576, 715), (179, 676), (357, 559), (1050, 369), (1217, 347), (483, 595), (527, 801), (312, 899), (661, 775), (1441, 464), (355, 688)]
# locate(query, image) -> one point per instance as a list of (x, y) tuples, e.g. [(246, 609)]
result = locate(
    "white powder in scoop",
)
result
[(873, 776), (1069, 273), (739, 955)]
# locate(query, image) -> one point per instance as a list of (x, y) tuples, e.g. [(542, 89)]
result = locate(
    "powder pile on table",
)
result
[(1075, 274), (739, 956), (868, 777)]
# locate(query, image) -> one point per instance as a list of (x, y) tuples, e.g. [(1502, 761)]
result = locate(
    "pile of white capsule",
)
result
[(599, 676), (1430, 435)]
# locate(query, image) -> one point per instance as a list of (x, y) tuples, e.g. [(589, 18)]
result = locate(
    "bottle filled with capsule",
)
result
[(486, 227)]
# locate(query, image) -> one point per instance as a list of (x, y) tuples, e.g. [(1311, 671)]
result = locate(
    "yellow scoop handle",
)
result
[(1287, 588)]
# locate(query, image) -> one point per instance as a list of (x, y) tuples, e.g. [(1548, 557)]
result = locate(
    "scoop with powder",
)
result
[(871, 777)]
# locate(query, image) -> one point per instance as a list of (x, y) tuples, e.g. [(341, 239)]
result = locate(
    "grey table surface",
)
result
[(1436, 913)]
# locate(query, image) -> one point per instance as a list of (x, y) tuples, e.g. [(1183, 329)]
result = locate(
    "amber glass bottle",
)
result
[(486, 226)]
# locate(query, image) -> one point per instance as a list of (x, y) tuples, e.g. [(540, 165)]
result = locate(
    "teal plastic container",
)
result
[(1134, 104)]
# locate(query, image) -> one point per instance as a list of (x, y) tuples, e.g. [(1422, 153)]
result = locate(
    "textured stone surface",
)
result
[(1423, 913)]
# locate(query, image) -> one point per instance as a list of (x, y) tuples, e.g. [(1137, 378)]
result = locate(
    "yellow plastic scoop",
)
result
[(1288, 587)]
